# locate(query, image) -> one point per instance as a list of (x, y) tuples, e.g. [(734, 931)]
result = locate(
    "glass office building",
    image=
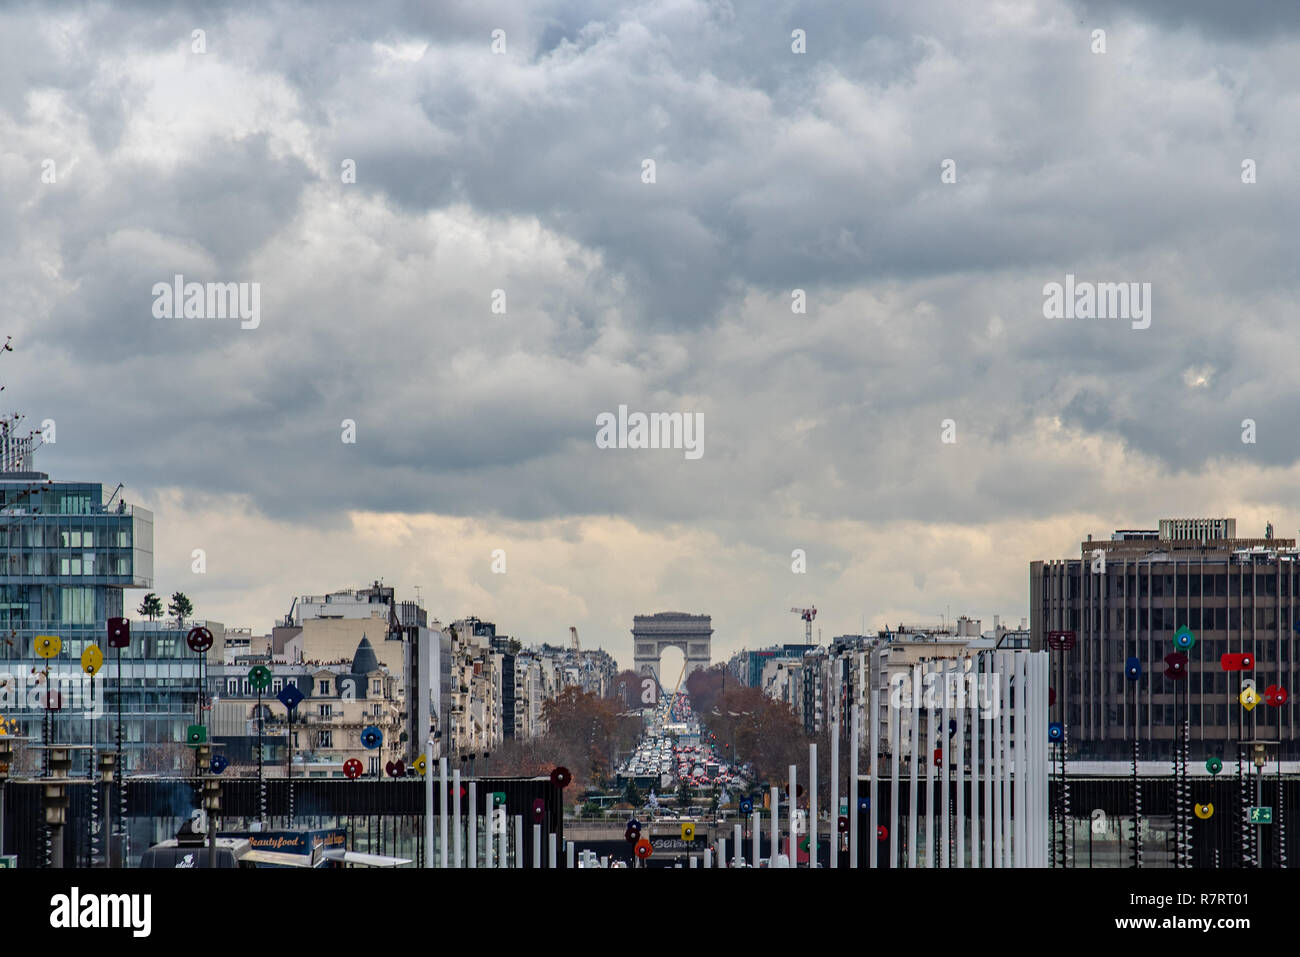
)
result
[(67, 558)]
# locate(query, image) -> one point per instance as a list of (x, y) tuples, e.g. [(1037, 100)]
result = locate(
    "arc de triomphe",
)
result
[(651, 634)]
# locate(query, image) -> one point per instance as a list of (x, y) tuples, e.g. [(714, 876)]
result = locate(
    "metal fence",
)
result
[(381, 817)]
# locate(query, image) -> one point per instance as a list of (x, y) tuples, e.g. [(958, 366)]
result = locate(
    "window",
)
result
[(75, 503), (325, 739), (326, 710), (324, 687), (78, 606)]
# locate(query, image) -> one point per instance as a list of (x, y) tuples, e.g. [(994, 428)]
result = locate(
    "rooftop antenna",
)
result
[(114, 495)]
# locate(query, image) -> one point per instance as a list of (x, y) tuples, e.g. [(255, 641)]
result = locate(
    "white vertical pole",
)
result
[(695, 861), (999, 761), (504, 846), (812, 805), (428, 812), (945, 776), (794, 808), (457, 850), (519, 840), (855, 743), (835, 788), (1046, 677), (755, 833), (708, 858), (1004, 758), (776, 826), (551, 860), (1038, 719), (472, 846), (992, 810), (927, 752), (959, 710), (973, 704), (895, 745), (1008, 759), (874, 731), (739, 834), (537, 846), (1020, 804), (487, 835), (990, 741), (442, 813), (568, 848), (1031, 772), (913, 783), (722, 852)]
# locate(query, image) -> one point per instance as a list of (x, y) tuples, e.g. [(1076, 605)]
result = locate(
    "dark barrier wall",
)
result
[(1105, 839), (382, 817)]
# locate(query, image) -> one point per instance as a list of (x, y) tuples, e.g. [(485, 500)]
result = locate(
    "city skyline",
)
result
[(850, 236)]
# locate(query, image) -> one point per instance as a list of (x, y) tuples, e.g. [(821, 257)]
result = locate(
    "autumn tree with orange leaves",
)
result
[(584, 734)]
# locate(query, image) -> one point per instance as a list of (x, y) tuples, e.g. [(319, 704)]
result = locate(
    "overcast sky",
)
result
[(522, 171)]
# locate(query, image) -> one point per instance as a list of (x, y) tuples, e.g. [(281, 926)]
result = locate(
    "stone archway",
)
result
[(651, 634)]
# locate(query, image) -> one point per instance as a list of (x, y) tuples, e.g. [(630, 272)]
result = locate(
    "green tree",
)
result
[(631, 795), (181, 607), (684, 793), (150, 606)]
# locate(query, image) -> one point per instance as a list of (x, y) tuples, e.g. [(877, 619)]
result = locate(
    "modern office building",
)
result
[(1126, 597), (67, 559)]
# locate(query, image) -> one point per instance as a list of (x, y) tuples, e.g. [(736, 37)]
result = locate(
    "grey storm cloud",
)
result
[(1246, 20), (775, 171)]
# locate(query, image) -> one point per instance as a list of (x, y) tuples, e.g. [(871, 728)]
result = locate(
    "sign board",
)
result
[(1261, 815), (8, 861), (844, 806), (1061, 640)]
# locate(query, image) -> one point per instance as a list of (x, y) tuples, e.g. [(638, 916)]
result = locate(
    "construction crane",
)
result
[(807, 614), (573, 636)]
